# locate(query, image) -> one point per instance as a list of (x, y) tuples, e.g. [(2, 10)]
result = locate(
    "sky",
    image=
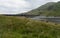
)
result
[(20, 6)]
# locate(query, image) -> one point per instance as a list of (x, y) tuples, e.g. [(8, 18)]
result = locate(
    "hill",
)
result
[(39, 10), (54, 10), (49, 9), (21, 27)]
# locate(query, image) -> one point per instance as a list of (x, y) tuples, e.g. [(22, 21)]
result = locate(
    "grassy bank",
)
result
[(21, 27)]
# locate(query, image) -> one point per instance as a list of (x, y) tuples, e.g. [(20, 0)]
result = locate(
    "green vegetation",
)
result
[(21, 27), (49, 9), (40, 10), (54, 9)]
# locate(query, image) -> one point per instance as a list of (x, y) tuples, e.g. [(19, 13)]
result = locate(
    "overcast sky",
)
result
[(19, 6)]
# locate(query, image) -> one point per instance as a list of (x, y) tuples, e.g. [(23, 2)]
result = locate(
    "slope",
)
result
[(49, 9), (40, 10), (21, 27)]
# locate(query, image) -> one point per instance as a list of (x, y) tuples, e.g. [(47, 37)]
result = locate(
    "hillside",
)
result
[(39, 10), (54, 10), (49, 9), (21, 27)]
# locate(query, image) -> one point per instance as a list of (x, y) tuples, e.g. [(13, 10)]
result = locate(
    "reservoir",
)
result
[(49, 18)]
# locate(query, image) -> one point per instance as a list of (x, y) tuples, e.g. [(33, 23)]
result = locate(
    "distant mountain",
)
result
[(49, 9), (54, 10), (45, 6), (39, 10)]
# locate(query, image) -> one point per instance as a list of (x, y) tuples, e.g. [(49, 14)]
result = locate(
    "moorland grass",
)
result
[(21, 27)]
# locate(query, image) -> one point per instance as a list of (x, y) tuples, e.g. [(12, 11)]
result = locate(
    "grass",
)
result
[(21, 27)]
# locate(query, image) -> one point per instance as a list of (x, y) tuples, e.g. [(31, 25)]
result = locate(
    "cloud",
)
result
[(19, 6), (14, 3), (37, 3), (12, 6)]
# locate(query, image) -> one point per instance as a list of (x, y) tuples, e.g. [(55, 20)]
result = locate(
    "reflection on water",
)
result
[(50, 18)]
